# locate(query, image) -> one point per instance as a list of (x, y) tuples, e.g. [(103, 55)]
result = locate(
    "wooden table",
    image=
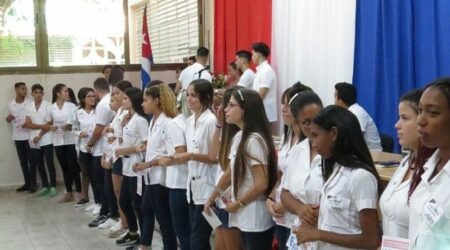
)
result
[(383, 157)]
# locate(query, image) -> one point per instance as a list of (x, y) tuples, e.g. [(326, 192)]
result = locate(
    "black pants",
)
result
[(130, 202), (148, 217), (39, 154), (258, 240), (23, 152), (102, 181), (200, 228), (110, 195), (87, 164), (161, 207), (67, 157)]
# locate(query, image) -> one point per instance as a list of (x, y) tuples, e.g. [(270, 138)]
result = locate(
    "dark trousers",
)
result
[(282, 234), (131, 202), (67, 158), (98, 184), (110, 195), (87, 164), (161, 207), (41, 154), (179, 209), (200, 228), (148, 217), (258, 240), (23, 152)]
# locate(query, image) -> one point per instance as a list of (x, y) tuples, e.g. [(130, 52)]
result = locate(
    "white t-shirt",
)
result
[(156, 147), (394, 203), (436, 192), (40, 116), (176, 175), (18, 110), (103, 116), (368, 127), (246, 79), (191, 73), (61, 117), (134, 133), (85, 122), (343, 196), (255, 216), (265, 78), (202, 176)]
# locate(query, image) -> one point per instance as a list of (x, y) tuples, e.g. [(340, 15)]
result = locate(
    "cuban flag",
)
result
[(146, 56)]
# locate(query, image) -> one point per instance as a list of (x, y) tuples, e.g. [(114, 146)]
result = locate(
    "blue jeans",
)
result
[(148, 217), (179, 209), (258, 240), (200, 228), (282, 234), (161, 207)]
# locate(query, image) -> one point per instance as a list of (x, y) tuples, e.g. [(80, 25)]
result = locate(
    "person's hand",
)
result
[(233, 207), (164, 161), (89, 148), (308, 214), (36, 139), (105, 163), (271, 206), (140, 166), (10, 118), (141, 148), (279, 208), (207, 206), (220, 115), (111, 139), (83, 135), (306, 233), (67, 127)]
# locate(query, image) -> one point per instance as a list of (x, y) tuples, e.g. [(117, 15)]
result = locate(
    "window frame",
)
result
[(42, 54)]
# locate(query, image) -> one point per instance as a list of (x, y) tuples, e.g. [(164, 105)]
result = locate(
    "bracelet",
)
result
[(241, 204), (219, 126), (270, 198)]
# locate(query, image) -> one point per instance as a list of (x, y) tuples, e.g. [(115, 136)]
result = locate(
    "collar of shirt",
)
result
[(202, 117), (430, 165), (161, 118), (262, 65)]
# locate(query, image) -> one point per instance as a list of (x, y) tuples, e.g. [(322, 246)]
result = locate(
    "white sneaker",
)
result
[(117, 225), (90, 207), (96, 210), (116, 230), (107, 224)]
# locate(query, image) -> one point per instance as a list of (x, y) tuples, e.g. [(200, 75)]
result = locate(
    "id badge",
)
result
[(432, 212)]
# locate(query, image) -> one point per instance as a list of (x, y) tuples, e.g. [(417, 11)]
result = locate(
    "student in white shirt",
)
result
[(62, 117), (41, 138), (243, 58), (83, 127), (430, 203), (252, 172), (160, 103), (348, 215), (302, 178), (20, 135), (345, 96), (265, 81), (394, 202)]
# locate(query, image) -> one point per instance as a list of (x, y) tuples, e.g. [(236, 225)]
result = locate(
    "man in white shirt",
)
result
[(265, 82), (198, 70), (345, 96), (16, 117), (243, 58)]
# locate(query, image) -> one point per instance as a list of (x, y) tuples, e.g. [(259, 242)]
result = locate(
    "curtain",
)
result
[(399, 45), (237, 25)]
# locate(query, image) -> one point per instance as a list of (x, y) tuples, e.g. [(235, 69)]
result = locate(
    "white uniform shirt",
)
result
[(202, 176), (61, 117), (85, 122), (134, 133), (246, 79), (265, 78), (255, 216), (368, 127), (438, 190), (192, 73), (116, 123), (18, 110), (343, 196), (176, 175), (40, 116), (394, 203), (103, 116), (156, 147)]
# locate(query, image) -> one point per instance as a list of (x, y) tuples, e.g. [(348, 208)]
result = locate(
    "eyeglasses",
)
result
[(232, 105)]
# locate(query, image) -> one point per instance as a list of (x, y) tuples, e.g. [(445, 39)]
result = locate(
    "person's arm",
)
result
[(10, 118), (305, 212), (30, 125), (215, 139), (263, 92), (270, 201), (223, 184), (177, 86), (96, 135), (168, 161)]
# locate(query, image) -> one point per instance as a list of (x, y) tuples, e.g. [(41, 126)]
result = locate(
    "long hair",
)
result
[(255, 121), (228, 131), (350, 149), (136, 97), (56, 89), (73, 99), (167, 100), (82, 93)]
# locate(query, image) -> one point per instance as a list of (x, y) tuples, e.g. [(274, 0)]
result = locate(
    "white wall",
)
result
[(10, 172)]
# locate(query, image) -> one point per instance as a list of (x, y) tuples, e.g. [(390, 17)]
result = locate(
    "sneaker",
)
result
[(23, 188), (82, 203), (97, 221), (67, 197), (96, 210), (107, 224), (116, 233), (43, 192), (53, 192), (127, 240), (90, 207)]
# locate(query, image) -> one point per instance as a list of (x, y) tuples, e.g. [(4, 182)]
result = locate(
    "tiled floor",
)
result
[(28, 222)]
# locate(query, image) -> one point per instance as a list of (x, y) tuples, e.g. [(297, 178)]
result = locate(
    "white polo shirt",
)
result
[(61, 117), (156, 147), (176, 175), (18, 110), (343, 196), (103, 116), (423, 235), (394, 203), (202, 176), (85, 122), (368, 127), (246, 79), (265, 78), (191, 73), (40, 116), (135, 132), (255, 216)]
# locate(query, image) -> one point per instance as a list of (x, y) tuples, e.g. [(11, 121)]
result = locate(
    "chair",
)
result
[(387, 143)]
